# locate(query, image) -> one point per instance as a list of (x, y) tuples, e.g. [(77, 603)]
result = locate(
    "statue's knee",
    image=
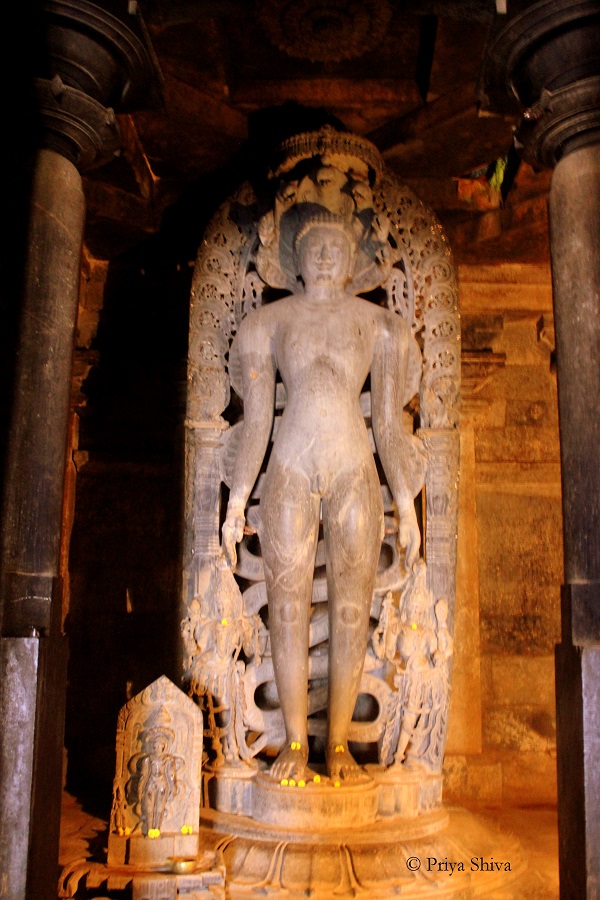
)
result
[(287, 613), (350, 615), (357, 529)]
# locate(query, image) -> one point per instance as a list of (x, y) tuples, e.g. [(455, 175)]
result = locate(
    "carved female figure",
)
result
[(324, 342)]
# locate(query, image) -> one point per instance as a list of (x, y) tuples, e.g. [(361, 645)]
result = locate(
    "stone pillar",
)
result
[(37, 442), (546, 55), (574, 217), (95, 60)]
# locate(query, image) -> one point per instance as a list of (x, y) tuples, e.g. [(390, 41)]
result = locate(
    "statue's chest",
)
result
[(346, 341)]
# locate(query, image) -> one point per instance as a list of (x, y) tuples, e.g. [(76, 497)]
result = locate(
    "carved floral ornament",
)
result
[(325, 30)]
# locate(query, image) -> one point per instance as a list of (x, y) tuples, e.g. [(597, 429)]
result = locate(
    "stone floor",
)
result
[(535, 829)]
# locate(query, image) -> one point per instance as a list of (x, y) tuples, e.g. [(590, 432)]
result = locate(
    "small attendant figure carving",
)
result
[(413, 646), (156, 779), (416, 640), (324, 342), (214, 642)]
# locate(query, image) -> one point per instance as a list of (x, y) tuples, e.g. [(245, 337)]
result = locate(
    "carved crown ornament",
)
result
[(324, 30)]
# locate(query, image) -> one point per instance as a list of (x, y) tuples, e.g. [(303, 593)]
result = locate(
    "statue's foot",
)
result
[(291, 763), (342, 766)]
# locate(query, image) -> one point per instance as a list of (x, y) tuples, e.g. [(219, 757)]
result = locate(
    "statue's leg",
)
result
[(352, 520), (288, 536), (160, 806)]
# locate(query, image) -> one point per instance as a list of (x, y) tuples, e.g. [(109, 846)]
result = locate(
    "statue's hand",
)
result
[(232, 533), (409, 535)]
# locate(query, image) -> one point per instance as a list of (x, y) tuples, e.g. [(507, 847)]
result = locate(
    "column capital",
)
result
[(98, 61), (542, 60), (560, 122), (75, 125)]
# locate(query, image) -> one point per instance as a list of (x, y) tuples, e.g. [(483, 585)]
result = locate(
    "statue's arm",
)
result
[(389, 374), (258, 378)]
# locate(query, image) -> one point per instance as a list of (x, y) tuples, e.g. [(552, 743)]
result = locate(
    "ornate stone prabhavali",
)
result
[(247, 261), (402, 262)]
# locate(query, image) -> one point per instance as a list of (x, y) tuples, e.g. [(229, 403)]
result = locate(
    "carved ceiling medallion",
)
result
[(325, 30)]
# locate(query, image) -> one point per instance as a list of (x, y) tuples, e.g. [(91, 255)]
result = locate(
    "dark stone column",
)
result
[(574, 212), (37, 441), (545, 56), (95, 60)]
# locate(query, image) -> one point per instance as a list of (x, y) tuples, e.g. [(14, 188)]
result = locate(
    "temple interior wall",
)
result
[(123, 506), (502, 741)]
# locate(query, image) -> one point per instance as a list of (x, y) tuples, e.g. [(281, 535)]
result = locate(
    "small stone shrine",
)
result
[(153, 837)]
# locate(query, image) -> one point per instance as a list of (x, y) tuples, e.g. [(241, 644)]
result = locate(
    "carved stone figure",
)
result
[(156, 794), (215, 638), (416, 640), (312, 455), (157, 777), (324, 342)]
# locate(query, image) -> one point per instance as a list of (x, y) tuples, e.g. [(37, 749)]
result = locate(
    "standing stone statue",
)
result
[(324, 342), (323, 396)]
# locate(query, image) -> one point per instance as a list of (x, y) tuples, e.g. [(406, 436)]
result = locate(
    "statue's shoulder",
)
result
[(390, 325), (258, 321), (269, 313)]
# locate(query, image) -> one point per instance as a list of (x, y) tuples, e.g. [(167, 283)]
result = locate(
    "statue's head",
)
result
[(324, 247), (158, 739)]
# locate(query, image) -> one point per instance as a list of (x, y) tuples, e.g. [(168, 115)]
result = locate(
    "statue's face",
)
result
[(324, 256)]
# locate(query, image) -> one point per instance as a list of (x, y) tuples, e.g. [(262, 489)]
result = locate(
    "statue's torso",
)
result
[(324, 354)]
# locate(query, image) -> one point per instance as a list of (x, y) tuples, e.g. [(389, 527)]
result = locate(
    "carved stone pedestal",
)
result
[(445, 853), (314, 807), (406, 792)]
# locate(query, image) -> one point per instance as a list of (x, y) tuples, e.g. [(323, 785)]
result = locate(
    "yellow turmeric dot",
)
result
[(317, 779), (336, 784), (223, 621), (414, 626), (121, 831), (292, 782), (127, 831), (284, 782), (301, 783)]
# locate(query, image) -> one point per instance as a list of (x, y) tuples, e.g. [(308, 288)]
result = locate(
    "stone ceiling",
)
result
[(403, 74)]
